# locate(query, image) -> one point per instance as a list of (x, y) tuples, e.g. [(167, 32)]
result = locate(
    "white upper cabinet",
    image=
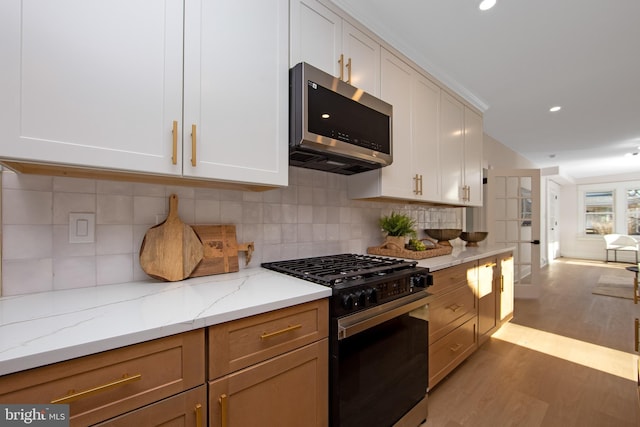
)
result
[(95, 84), (460, 153), (414, 173), (100, 85), (236, 90), (325, 40)]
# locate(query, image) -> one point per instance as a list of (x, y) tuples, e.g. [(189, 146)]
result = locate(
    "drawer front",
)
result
[(185, 409), (448, 311), (104, 385), (244, 342), (450, 351), (455, 276)]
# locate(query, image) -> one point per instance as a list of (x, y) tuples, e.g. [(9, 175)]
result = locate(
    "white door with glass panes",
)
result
[(513, 219)]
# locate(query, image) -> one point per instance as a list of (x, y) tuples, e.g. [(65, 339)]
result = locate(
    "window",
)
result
[(633, 211), (599, 212)]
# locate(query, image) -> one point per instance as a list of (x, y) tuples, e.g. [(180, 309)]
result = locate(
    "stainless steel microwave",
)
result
[(334, 126)]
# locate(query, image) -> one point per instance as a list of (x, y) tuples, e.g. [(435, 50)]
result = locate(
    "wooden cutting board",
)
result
[(220, 249), (171, 250)]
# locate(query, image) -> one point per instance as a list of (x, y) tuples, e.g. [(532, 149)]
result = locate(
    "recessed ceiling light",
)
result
[(556, 108), (487, 4)]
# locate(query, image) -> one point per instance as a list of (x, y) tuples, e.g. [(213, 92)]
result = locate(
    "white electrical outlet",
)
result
[(82, 227)]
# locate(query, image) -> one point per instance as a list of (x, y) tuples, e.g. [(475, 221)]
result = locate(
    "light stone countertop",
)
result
[(462, 254), (49, 327)]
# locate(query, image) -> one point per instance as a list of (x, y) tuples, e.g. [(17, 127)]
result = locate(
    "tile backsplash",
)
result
[(310, 217)]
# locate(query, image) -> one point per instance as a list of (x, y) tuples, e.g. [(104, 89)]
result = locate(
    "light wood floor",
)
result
[(572, 363)]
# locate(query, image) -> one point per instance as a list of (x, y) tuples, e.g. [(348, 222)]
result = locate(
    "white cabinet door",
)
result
[(236, 90), (323, 39), (424, 124), (451, 148), (316, 36), (361, 59), (473, 156), (95, 84), (396, 88)]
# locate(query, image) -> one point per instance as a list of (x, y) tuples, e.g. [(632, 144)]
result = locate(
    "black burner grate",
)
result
[(333, 269)]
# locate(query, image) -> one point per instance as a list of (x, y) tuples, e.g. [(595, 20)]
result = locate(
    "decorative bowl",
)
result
[(443, 235), (473, 237)]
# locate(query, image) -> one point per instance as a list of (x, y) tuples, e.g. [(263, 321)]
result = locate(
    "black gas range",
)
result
[(358, 281), (378, 336)]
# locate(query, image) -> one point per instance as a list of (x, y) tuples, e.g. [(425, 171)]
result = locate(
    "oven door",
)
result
[(379, 364)]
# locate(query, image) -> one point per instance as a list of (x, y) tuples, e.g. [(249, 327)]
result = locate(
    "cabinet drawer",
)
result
[(450, 310), (186, 409), (453, 276), (104, 385), (244, 342), (450, 351)]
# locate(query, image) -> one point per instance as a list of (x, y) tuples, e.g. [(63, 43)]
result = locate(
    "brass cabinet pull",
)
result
[(501, 283), (193, 146), (198, 415), (341, 62), (349, 71), (223, 409), (415, 185), (455, 307), (455, 347), (637, 334), (421, 185), (174, 153), (280, 332), (73, 396), (491, 265)]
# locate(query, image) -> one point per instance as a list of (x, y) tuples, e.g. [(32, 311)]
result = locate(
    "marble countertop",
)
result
[(43, 328), (462, 254), (49, 327)]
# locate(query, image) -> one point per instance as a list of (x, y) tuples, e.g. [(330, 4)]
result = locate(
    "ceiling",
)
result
[(522, 57)]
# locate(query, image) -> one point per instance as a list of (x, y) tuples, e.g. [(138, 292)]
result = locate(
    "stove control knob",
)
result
[(360, 299), (371, 296), (348, 301)]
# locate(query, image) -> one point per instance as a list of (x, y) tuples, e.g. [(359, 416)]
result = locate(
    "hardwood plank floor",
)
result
[(566, 359)]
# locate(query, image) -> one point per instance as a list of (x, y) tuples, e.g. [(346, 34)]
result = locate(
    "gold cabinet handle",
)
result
[(73, 396), (455, 307), (193, 146), (224, 403), (266, 335), (637, 334), (491, 265), (349, 71), (341, 62), (501, 283), (455, 347), (421, 185), (415, 185), (198, 410), (174, 152)]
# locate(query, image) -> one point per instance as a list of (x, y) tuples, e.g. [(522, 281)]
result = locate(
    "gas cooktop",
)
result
[(331, 270)]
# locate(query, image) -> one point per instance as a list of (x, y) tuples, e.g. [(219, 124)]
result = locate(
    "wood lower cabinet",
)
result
[(488, 297), (288, 390), (185, 409), (109, 384), (270, 369), (453, 319)]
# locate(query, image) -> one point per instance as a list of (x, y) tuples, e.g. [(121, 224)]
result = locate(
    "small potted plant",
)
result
[(397, 228)]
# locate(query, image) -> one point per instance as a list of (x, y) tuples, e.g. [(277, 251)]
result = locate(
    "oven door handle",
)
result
[(358, 322)]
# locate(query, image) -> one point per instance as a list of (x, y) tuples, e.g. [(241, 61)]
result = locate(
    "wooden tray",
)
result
[(393, 250)]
